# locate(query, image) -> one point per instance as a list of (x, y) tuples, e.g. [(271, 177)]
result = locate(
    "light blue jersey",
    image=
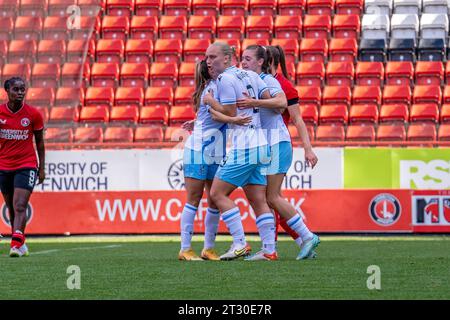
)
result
[(231, 85)]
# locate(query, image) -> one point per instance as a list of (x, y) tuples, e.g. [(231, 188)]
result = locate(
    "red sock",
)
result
[(17, 240), (288, 229)]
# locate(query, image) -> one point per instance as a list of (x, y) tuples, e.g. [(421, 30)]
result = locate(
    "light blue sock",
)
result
[(232, 219)]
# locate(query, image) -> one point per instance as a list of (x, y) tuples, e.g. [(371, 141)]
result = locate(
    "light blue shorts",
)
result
[(245, 166), (281, 158), (197, 167)]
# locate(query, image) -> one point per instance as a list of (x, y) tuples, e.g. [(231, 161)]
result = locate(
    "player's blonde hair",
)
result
[(226, 49), (202, 77)]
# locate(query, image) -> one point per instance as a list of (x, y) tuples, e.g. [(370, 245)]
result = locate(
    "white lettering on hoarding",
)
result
[(416, 174)]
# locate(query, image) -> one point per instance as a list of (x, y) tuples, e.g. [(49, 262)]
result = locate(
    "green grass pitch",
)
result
[(146, 267)]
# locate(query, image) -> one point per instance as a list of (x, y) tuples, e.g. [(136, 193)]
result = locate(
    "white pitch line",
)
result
[(80, 248)]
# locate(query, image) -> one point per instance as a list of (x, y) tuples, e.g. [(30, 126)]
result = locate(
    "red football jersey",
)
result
[(16, 137), (290, 92)]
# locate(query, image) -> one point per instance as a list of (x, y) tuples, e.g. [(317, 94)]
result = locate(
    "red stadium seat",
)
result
[(3, 96), (446, 98), (175, 134), (429, 73), (447, 73), (427, 94), (444, 132), (99, 96), (59, 7), (172, 27), (3, 51), (366, 95), (346, 26), (291, 7), (394, 113), (202, 27), (22, 70), (75, 75), (397, 94), (163, 74), (33, 8), (79, 51), (64, 115), (234, 7), (156, 96), (310, 73), (399, 73), (51, 51), (322, 7), (118, 135), (363, 113), (59, 135), (105, 74), (309, 95), (445, 113), (340, 74), (148, 134), (144, 27), (422, 132), (180, 114), (27, 28), (44, 75), (22, 51), (360, 133), (330, 133), (44, 113), (336, 95), (333, 113), (290, 46), (259, 27), (205, 7), (288, 27), (6, 28), (139, 51), (317, 26), (94, 114), (309, 113), (55, 28), (9, 8), (313, 50), (125, 114), (349, 7), (120, 7), (88, 135), (88, 28), (194, 49), (177, 7), (92, 8), (391, 132), (231, 27), (148, 7), (129, 96), (115, 27), (154, 114), (263, 7), (183, 96), (248, 42), (369, 73), (134, 75), (40, 97), (168, 50), (296, 137), (424, 112), (290, 66), (186, 74), (69, 97), (343, 50), (110, 50)]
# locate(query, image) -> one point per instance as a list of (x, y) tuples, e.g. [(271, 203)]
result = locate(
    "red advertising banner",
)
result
[(431, 211), (160, 211)]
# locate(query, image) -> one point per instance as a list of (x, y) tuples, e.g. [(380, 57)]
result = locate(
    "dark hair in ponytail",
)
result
[(279, 59), (262, 53), (8, 83)]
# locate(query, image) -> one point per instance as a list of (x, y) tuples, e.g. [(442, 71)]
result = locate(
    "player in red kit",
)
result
[(291, 221), (19, 168)]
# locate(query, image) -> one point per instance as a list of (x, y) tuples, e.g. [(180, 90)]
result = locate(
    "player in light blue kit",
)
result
[(204, 150), (246, 162)]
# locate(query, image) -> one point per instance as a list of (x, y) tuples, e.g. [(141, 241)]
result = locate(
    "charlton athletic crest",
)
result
[(25, 122), (385, 209)]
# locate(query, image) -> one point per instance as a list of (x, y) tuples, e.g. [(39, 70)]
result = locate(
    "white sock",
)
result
[(232, 219), (187, 225), (211, 226), (266, 228), (296, 223), (299, 241)]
